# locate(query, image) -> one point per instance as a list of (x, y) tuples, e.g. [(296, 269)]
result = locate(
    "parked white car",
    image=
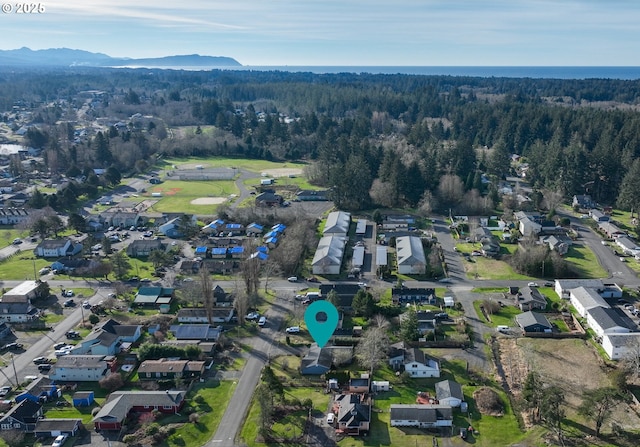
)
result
[(293, 330)]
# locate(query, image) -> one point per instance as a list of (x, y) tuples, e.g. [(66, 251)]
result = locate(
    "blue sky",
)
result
[(342, 32)]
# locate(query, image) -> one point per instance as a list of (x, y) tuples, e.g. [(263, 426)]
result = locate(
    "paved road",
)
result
[(43, 347), (263, 348)]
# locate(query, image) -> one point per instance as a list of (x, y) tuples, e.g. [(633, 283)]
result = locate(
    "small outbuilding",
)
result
[(83, 399)]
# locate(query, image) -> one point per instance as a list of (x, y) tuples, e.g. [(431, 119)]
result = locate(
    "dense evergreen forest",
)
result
[(388, 140)]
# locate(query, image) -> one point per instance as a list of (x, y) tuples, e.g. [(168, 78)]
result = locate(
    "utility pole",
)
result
[(15, 373)]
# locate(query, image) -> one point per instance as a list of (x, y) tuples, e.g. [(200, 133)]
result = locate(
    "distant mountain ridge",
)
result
[(65, 57)]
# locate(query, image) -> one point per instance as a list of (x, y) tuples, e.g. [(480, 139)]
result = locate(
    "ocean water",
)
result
[(623, 73)]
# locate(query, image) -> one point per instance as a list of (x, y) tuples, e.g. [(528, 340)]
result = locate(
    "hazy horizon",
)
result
[(342, 33)]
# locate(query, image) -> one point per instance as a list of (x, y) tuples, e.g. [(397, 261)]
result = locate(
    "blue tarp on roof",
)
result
[(256, 226), (201, 250), (236, 250), (272, 240), (233, 226), (260, 255), (279, 228), (219, 251), (216, 223), (270, 234), (263, 249)]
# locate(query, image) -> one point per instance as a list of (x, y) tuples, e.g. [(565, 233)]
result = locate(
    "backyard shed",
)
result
[(380, 385), (83, 399)]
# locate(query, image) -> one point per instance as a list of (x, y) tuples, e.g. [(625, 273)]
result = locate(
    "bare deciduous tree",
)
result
[(206, 287), (372, 349), (383, 193), (450, 190)]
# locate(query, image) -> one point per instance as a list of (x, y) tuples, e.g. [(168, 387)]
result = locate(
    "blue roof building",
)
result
[(201, 250)]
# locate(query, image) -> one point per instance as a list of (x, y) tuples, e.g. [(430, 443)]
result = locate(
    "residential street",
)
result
[(263, 346)]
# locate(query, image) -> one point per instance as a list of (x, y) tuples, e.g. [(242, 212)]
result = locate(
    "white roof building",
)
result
[(381, 255), (584, 299), (328, 257), (618, 346), (410, 253), (337, 223)]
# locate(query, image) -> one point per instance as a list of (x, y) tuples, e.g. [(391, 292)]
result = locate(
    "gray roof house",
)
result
[(530, 298), (449, 392), (80, 368), (421, 416), (317, 361), (605, 320), (56, 248), (533, 322), (414, 361), (202, 332)]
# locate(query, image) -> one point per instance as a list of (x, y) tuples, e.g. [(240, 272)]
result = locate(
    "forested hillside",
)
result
[(390, 140)]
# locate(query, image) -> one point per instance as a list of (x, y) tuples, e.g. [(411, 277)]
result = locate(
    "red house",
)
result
[(121, 403)]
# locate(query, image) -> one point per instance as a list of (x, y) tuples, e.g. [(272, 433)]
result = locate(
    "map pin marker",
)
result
[(322, 330)]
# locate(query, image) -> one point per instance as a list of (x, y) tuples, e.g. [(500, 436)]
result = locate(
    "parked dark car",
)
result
[(44, 367), (73, 335), (12, 346), (40, 360)]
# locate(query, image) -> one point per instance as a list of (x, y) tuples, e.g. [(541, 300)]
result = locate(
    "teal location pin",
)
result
[(322, 330)]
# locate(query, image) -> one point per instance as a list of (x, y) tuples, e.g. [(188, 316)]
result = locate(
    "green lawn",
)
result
[(224, 162), (584, 262), (21, 266), (8, 234), (177, 195), (504, 317), (215, 396), (479, 267)]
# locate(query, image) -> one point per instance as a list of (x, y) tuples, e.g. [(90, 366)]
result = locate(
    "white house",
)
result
[(605, 320), (563, 287), (618, 346), (328, 257), (17, 312), (422, 416), (410, 254), (628, 246), (80, 368), (584, 299), (415, 362), (57, 248), (449, 393)]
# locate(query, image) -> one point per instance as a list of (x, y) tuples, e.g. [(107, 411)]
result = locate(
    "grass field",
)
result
[(585, 262), (8, 234), (177, 195), (22, 266), (224, 162), (215, 396)]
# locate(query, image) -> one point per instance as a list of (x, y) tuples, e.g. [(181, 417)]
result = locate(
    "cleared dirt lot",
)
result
[(571, 364)]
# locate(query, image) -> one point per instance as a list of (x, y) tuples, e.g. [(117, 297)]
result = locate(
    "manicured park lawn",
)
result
[(242, 163)]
